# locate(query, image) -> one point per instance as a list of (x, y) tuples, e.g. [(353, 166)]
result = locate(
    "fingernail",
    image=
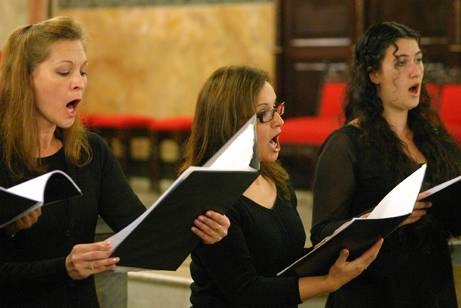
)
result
[(116, 259)]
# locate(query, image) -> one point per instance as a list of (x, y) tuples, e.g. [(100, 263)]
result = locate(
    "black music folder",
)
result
[(360, 233), (17, 201), (161, 238)]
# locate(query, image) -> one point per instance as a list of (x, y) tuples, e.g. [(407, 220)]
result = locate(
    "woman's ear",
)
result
[(374, 76)]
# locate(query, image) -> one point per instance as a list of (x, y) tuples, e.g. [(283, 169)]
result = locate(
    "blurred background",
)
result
[(149, 58)]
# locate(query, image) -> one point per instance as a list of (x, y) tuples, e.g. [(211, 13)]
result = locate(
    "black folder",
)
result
[(360, 233), (161, 238), (446, 204), (51, 187)]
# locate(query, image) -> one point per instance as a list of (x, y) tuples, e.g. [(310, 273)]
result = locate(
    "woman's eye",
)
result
[(63, 73), (84, 73), (400, 62), (419, 60)]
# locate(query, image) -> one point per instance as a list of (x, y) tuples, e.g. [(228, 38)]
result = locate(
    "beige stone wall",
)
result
[(153, 60), (12, 15)]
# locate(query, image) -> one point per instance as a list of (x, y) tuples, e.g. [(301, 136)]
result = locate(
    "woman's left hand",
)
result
[(211, 227), (419, 210)]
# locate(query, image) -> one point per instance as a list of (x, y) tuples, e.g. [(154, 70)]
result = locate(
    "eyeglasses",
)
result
[(268, 115)]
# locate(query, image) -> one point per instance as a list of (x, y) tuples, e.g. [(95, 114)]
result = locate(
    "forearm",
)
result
[(21, 274), (315, 285)]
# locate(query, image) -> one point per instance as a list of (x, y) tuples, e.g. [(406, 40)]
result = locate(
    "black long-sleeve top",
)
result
[(32, 263), (413, 268), (240, 270)]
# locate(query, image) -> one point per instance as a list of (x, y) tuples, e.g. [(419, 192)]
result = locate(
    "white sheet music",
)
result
[(441, 186), (235, 155)]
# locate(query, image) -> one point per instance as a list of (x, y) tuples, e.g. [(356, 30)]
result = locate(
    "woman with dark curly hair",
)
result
[(390, 131)]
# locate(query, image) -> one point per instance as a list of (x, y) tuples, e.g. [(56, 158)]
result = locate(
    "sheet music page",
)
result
[(118, 237), (441, 186), (237, 153), (34, 189), (400, 200), (234, 155)]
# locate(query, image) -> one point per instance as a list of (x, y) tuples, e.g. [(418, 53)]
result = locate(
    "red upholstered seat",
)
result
[(115, 121), (172, 124), (450, 102), (123, 127), (333, 94), (308, 130), (174, 128), (450, 108), (314, 130)]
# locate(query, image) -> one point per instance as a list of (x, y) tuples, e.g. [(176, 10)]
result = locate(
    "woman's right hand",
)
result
[(343, 271), (88, 259)]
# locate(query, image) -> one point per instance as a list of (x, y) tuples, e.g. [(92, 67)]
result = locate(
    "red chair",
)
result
[(301, 136), (314, 130), (122, 127), (176, 129), (333, 94), (450, 109)]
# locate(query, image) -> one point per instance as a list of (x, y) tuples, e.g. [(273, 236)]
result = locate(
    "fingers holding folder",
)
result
[(419, 210), (211, 227), (343, 271), (24, 222), (88, 259)]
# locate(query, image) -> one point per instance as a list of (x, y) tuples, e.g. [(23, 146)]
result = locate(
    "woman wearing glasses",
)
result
[(266, 233)]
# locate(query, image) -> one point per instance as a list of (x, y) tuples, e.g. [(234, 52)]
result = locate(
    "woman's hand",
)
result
[(418, 211), (88, 259), (24, 222), (211, 227), (343, 271)]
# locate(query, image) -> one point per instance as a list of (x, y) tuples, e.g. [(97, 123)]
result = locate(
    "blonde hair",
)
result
[(25, 48), (226, 100)]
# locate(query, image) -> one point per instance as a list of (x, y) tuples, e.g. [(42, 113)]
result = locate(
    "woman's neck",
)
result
[(398, 121), (49, 144), (262, 191)]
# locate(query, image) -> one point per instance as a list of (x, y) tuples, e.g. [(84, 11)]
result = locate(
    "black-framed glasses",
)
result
[(268, 115)]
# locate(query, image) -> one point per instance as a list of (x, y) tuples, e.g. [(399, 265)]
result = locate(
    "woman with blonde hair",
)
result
[(48, 258)]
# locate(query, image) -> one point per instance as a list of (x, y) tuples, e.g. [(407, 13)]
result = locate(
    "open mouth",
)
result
[(414, 90), (274, 142), (73, 104)]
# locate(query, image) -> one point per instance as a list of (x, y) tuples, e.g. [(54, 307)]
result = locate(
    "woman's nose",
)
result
[(416, 70), (278, 121), (78, 82)]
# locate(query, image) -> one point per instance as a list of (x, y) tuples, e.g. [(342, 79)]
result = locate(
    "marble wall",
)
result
[(153, 60), (12, 15)]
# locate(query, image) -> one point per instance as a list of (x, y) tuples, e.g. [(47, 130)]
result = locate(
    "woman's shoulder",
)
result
[(345, 136), (94, 139), (97, 143)]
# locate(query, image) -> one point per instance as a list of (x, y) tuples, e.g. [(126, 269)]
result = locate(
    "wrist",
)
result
[(331, 284)]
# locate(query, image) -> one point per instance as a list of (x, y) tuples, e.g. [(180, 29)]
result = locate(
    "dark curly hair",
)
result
[(363, 104)]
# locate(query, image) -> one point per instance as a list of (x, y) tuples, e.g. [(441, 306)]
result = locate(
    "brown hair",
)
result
[(25, 48), (226, 101)]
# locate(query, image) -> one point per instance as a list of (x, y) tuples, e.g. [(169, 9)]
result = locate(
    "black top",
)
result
[(413, 268), (240, 270), (32, 263)]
